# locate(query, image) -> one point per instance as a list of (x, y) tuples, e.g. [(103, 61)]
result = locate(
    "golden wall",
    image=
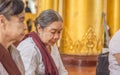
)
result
[(113, 15), (48, 4)]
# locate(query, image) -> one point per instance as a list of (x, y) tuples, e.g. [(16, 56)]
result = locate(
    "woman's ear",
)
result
[(2, 21), (39, 28)]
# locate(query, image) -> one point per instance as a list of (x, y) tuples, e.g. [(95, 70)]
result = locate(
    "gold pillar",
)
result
[(56, 5), (113, 15), (83, 27), (48, 4)]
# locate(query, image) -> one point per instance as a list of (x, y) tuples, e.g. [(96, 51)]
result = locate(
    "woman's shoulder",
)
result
[(27, 44), (27, 41), (116, 35)]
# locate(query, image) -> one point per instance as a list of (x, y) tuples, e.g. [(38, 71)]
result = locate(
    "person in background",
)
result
[(39, 52), (29, 25), (11, 30), (114, 54), (102, 62), (33, 6), (27, 9)]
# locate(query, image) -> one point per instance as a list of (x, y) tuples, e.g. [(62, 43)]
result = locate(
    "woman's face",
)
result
[(51, 33), (15, 27)]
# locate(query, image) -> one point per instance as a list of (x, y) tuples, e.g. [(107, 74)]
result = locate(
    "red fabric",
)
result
[(7, 62), (50, 67)]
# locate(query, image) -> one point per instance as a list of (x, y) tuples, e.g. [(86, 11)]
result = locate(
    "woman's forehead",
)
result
[(55, 26)]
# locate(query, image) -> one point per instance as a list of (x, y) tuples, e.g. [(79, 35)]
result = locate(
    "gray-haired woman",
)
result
[(38, 50)]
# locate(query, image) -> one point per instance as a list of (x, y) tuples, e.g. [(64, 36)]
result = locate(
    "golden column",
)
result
[(48, 4), (113, 15), (83, 27)]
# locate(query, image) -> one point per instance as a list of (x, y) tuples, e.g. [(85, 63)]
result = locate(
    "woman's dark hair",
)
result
[(11, 7), (47, 17)]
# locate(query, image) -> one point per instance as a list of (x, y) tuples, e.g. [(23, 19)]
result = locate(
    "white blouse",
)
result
[(16, 57), (32, 58), (114, 48)]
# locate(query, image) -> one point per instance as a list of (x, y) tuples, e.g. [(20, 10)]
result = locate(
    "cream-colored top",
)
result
[(114, 48), (32, 58), (16, 57)]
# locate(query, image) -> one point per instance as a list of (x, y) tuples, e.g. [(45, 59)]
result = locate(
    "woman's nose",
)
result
[(25, 27), (56, 36)]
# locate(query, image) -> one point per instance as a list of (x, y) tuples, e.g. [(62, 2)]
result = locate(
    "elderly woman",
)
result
[(11, 30), (39, 53)]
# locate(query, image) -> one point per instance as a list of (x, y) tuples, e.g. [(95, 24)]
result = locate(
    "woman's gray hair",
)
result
[(11, 7), (47, 17)]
